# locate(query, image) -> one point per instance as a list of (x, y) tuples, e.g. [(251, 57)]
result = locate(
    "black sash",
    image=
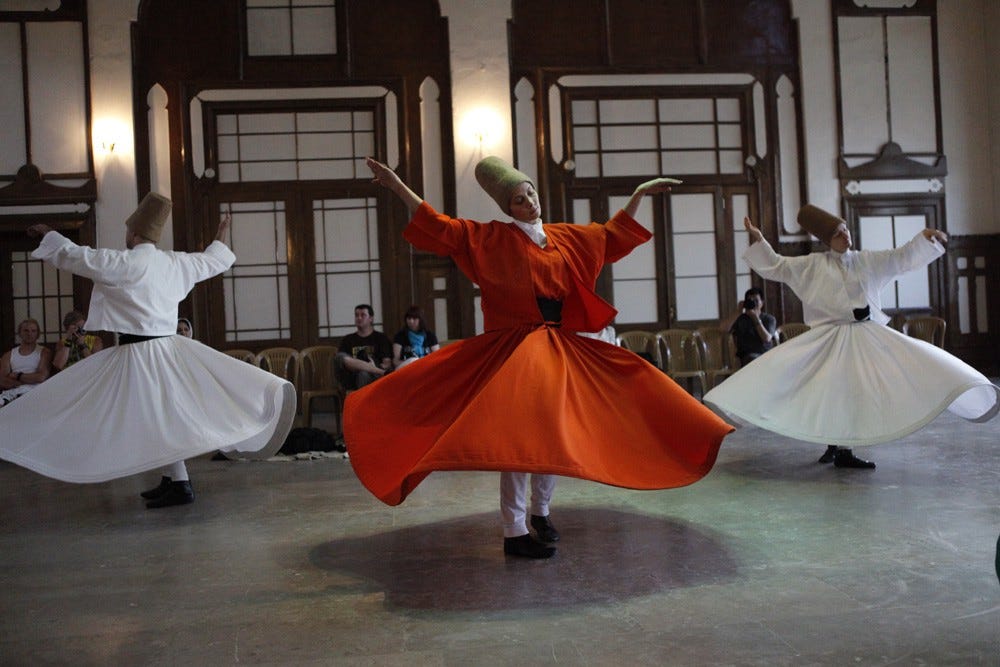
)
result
[(126, 339), (862, 314), (551, 310)]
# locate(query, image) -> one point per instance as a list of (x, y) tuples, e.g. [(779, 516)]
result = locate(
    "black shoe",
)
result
[(845, 459), (544, 529), (829, 454), (527, 547), (178, 493), (158, 491)]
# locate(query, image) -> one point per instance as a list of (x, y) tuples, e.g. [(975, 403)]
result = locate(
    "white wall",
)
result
[(819, 103), (111, 105), (963, 38), (480, 78)]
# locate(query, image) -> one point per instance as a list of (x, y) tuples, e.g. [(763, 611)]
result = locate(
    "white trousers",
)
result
[(513, 497), (177, 472)]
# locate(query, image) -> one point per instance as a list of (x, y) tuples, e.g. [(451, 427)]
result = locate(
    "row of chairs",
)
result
[(702, 357), (310, 370), (706, 356)]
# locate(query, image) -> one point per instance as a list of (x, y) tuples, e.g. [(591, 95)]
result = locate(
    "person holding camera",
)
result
[(76, 344), (754, 331)]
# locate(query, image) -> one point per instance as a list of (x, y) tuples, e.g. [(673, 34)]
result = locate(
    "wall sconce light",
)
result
[(111, 136), (481, 127)]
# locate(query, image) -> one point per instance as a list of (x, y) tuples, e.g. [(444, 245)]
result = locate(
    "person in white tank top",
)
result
[(24, 366)]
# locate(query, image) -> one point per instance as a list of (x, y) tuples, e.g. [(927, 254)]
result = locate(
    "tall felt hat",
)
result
[(499, 180), (148, 219), (819, 223)]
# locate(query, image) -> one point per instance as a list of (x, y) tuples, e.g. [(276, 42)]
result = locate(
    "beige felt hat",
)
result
[(499, 180), (819, 223), (148, 219)]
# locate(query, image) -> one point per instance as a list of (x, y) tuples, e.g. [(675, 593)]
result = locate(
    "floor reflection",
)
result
[(605, 555)]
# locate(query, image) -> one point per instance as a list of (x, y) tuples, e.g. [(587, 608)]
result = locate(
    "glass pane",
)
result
[(687, 136), (630, 164), (694, 255), (314, 30), (692, 213), (269, 32), (627, 111), (697, 298), (635, 301), (689, 162), (676, 110), (628, 136)]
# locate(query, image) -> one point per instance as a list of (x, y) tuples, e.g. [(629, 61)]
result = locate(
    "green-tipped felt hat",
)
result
[(149, 218), (819, 223), (499, 180)]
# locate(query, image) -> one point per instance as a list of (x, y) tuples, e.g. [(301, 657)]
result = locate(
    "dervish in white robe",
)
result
[(135, 407), (849, 382)]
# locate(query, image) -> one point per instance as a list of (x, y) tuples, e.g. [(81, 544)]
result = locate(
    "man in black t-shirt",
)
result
[(754, 331), (365, 355)]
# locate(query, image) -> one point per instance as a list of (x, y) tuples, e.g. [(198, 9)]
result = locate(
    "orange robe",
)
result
[(525, 396)]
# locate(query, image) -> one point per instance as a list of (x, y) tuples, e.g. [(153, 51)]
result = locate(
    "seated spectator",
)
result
[(753, 330), (24, 366), (365, 355), (185, 328), (76, 343), (414, 340)]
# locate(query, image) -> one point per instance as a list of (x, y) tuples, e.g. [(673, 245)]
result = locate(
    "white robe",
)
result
[(141, 406), (846, 382)]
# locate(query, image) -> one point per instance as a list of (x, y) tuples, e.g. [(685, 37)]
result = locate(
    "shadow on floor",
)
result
[(605, 555)]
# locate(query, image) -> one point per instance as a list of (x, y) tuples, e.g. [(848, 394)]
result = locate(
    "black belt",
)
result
[(126, 339), (862, 314), (551, 310)]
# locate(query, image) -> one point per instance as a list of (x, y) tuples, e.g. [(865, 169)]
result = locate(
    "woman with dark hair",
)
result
[(413, 341), (529, 395)]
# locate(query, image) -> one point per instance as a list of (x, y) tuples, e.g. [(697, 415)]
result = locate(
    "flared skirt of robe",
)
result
[(141, 406), (853, 384), (530, 399)]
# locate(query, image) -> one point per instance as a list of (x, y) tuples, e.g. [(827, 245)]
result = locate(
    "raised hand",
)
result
[(38, 231), (936, 234), (658, 185), (754, 233), (224, 224), (387, 178)]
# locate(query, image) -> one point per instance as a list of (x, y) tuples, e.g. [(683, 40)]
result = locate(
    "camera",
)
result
[(750, 303)]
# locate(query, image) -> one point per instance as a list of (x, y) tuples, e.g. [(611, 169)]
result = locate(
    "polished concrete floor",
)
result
[(772, 559)]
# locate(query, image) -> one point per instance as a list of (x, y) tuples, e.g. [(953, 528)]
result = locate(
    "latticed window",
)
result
[(294, 146), (256, 287), (41, 292), (291, 27), (345, 235), (657, 135)]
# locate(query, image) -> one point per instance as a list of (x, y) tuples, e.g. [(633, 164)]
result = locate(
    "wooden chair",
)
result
[(317, 380), (282, 361), (790, 330), (927, 328), (642, 343), (679, 358), (717, 351), (243, 355)]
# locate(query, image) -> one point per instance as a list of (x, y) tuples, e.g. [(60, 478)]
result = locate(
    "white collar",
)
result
[(534, 230)]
